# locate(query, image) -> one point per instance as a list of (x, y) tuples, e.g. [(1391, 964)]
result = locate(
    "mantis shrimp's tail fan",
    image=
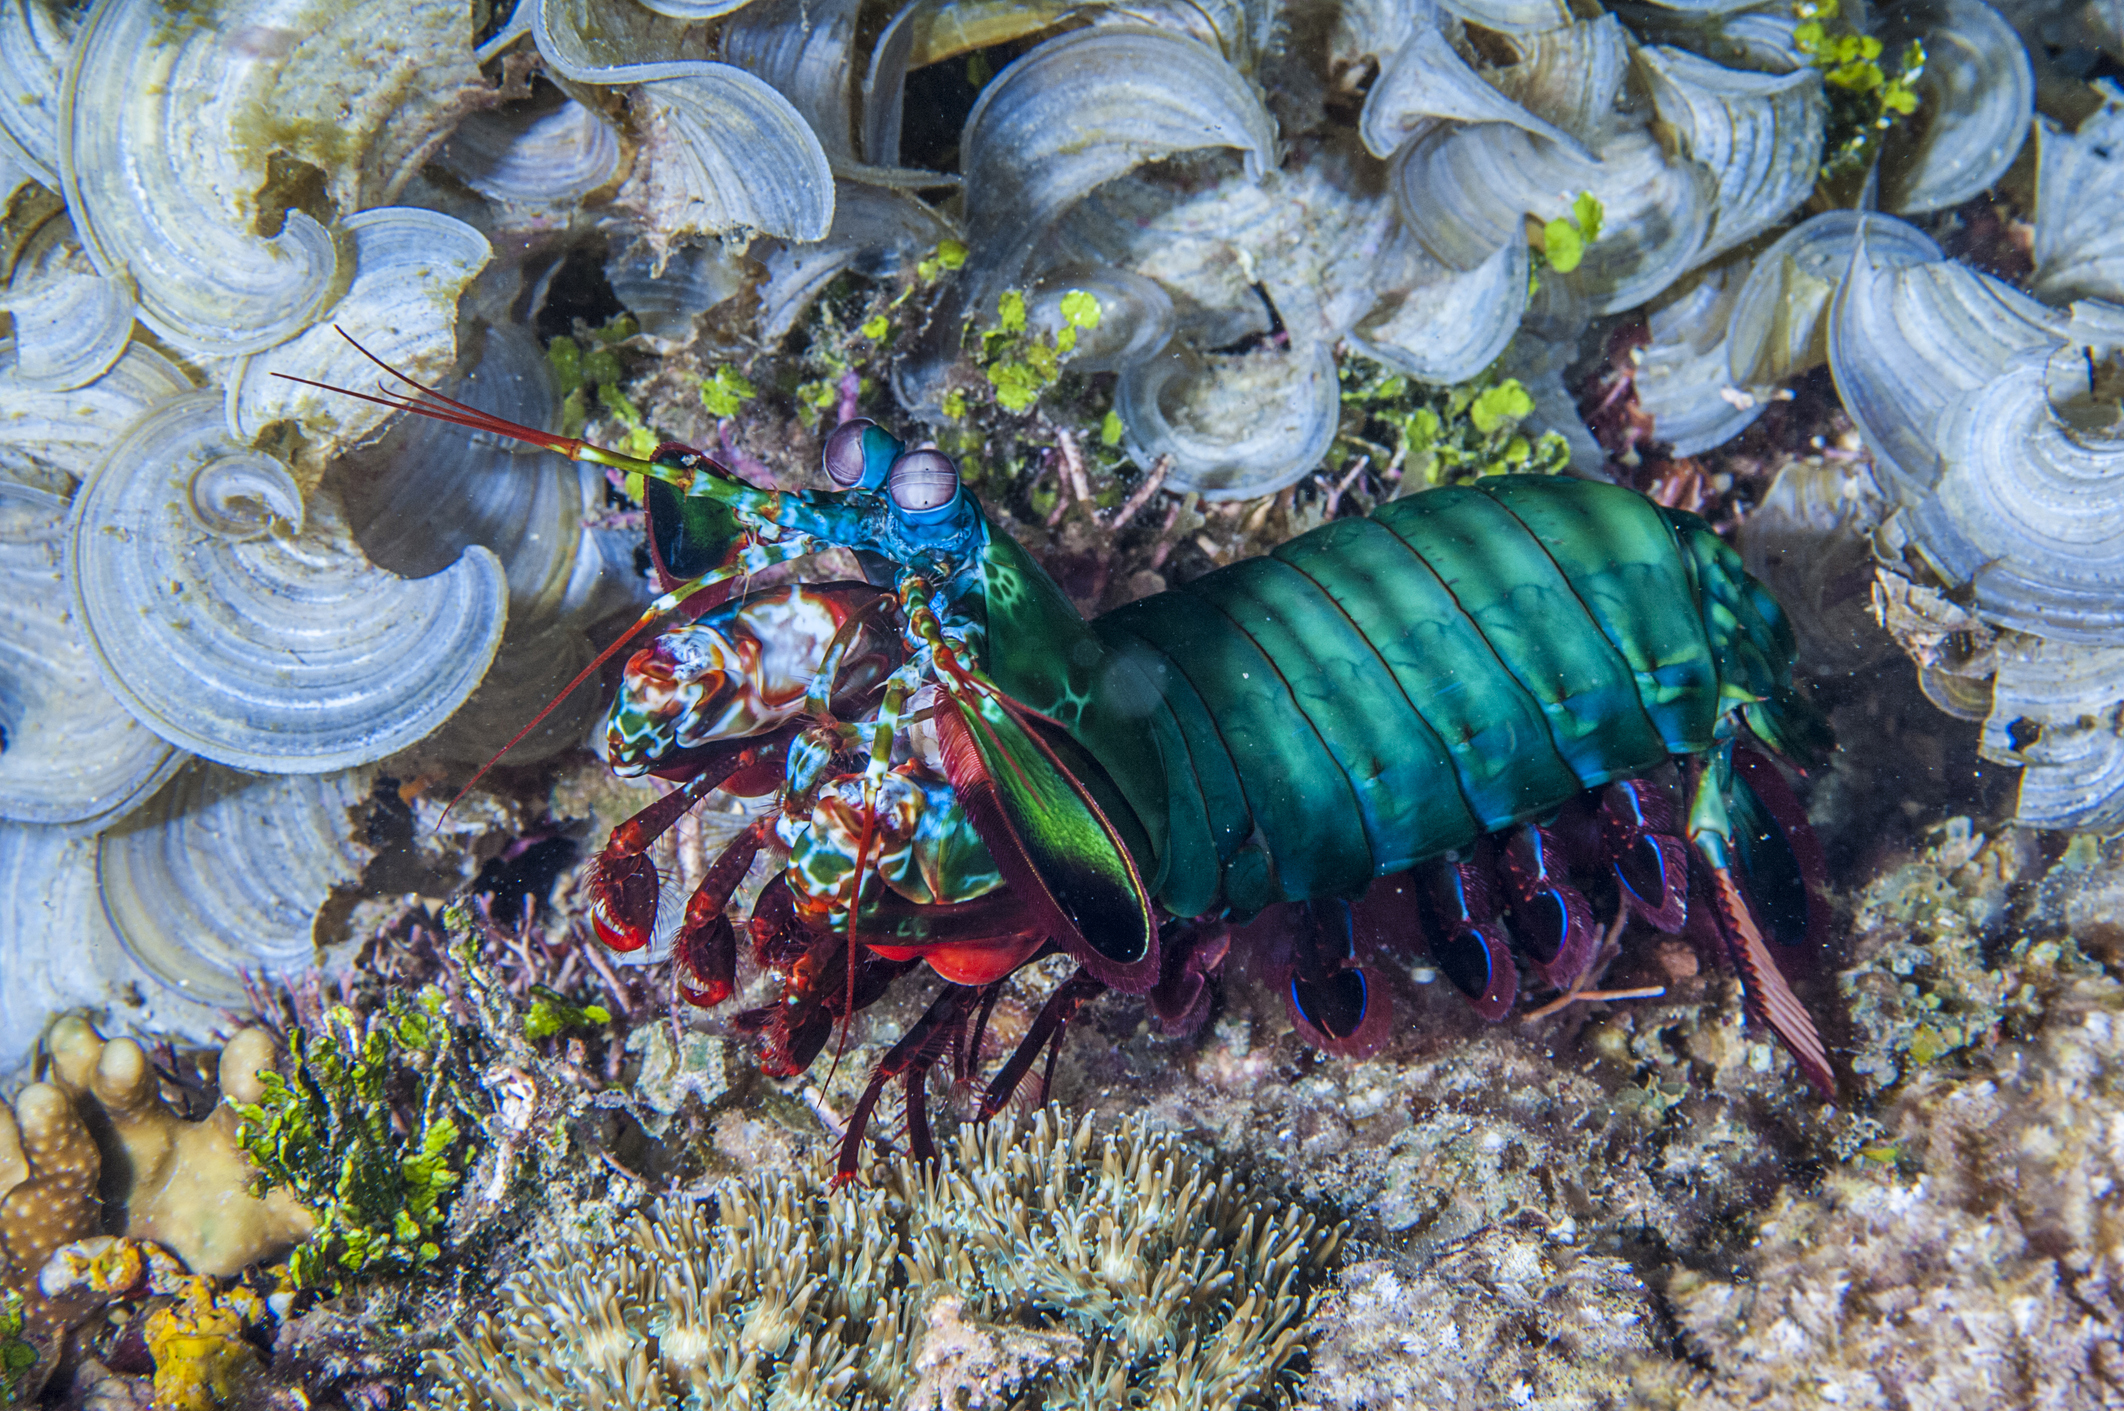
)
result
[(1767, 903), (1780, 859)]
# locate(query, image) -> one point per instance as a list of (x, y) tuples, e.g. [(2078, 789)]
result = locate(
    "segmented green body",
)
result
[(1383, 690), (1366, 697)]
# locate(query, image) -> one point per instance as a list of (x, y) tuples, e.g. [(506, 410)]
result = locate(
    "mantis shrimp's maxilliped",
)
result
[(1526, 694)]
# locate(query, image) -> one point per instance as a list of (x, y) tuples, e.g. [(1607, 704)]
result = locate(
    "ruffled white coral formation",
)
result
[(1097, 1269)]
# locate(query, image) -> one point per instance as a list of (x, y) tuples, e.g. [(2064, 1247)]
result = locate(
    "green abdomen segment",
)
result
[(1381, 690)]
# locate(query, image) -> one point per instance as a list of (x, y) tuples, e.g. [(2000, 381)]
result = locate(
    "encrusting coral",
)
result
[(1099, 1271), (198, 1341), (187, 1186), (98, 1145), (1973, 1254), (179, 1184), (48, 1172), (1501, 1317)]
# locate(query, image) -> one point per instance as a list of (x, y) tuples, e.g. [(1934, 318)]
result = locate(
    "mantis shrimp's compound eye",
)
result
[(924, 484), (859, 454), (844, 452)]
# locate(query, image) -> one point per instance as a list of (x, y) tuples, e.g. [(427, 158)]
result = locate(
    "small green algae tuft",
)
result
[(326, 1132), (1428, 436), (1866, 101)]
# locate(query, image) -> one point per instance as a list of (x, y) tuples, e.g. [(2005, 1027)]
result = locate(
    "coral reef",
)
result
[(174, 1185), (48, 1172), (1968, 1251), (1608, 1212), (1099, 1269), (199, 1343), (1122, 261), (1501, 1317), (185, 1184)]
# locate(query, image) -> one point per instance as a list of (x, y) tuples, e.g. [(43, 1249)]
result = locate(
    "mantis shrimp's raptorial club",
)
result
[(1528, 696)]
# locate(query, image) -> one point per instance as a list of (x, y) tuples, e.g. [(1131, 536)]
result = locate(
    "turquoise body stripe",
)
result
[(1622, 559), (1505, 762), (1395, 766), (1750, 639), (1373, 693), (1208, 819), (1527, 611), (1300, 803)]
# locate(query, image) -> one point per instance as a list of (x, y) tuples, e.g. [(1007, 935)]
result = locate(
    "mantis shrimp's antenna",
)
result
[(425, 401)]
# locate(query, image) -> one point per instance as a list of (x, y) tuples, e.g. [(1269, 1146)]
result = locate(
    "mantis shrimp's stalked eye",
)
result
[(925, 485), (860, 453)]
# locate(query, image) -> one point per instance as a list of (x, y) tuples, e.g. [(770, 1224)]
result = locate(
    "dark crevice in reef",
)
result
[(390, 834), (939, 98), (578, 290), (527, 868)]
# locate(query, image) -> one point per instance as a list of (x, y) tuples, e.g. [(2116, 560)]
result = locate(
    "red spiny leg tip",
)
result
[(615, 937), (706, 952), (851, 1156), (623, 895), (783, 1046), (707, 996)]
